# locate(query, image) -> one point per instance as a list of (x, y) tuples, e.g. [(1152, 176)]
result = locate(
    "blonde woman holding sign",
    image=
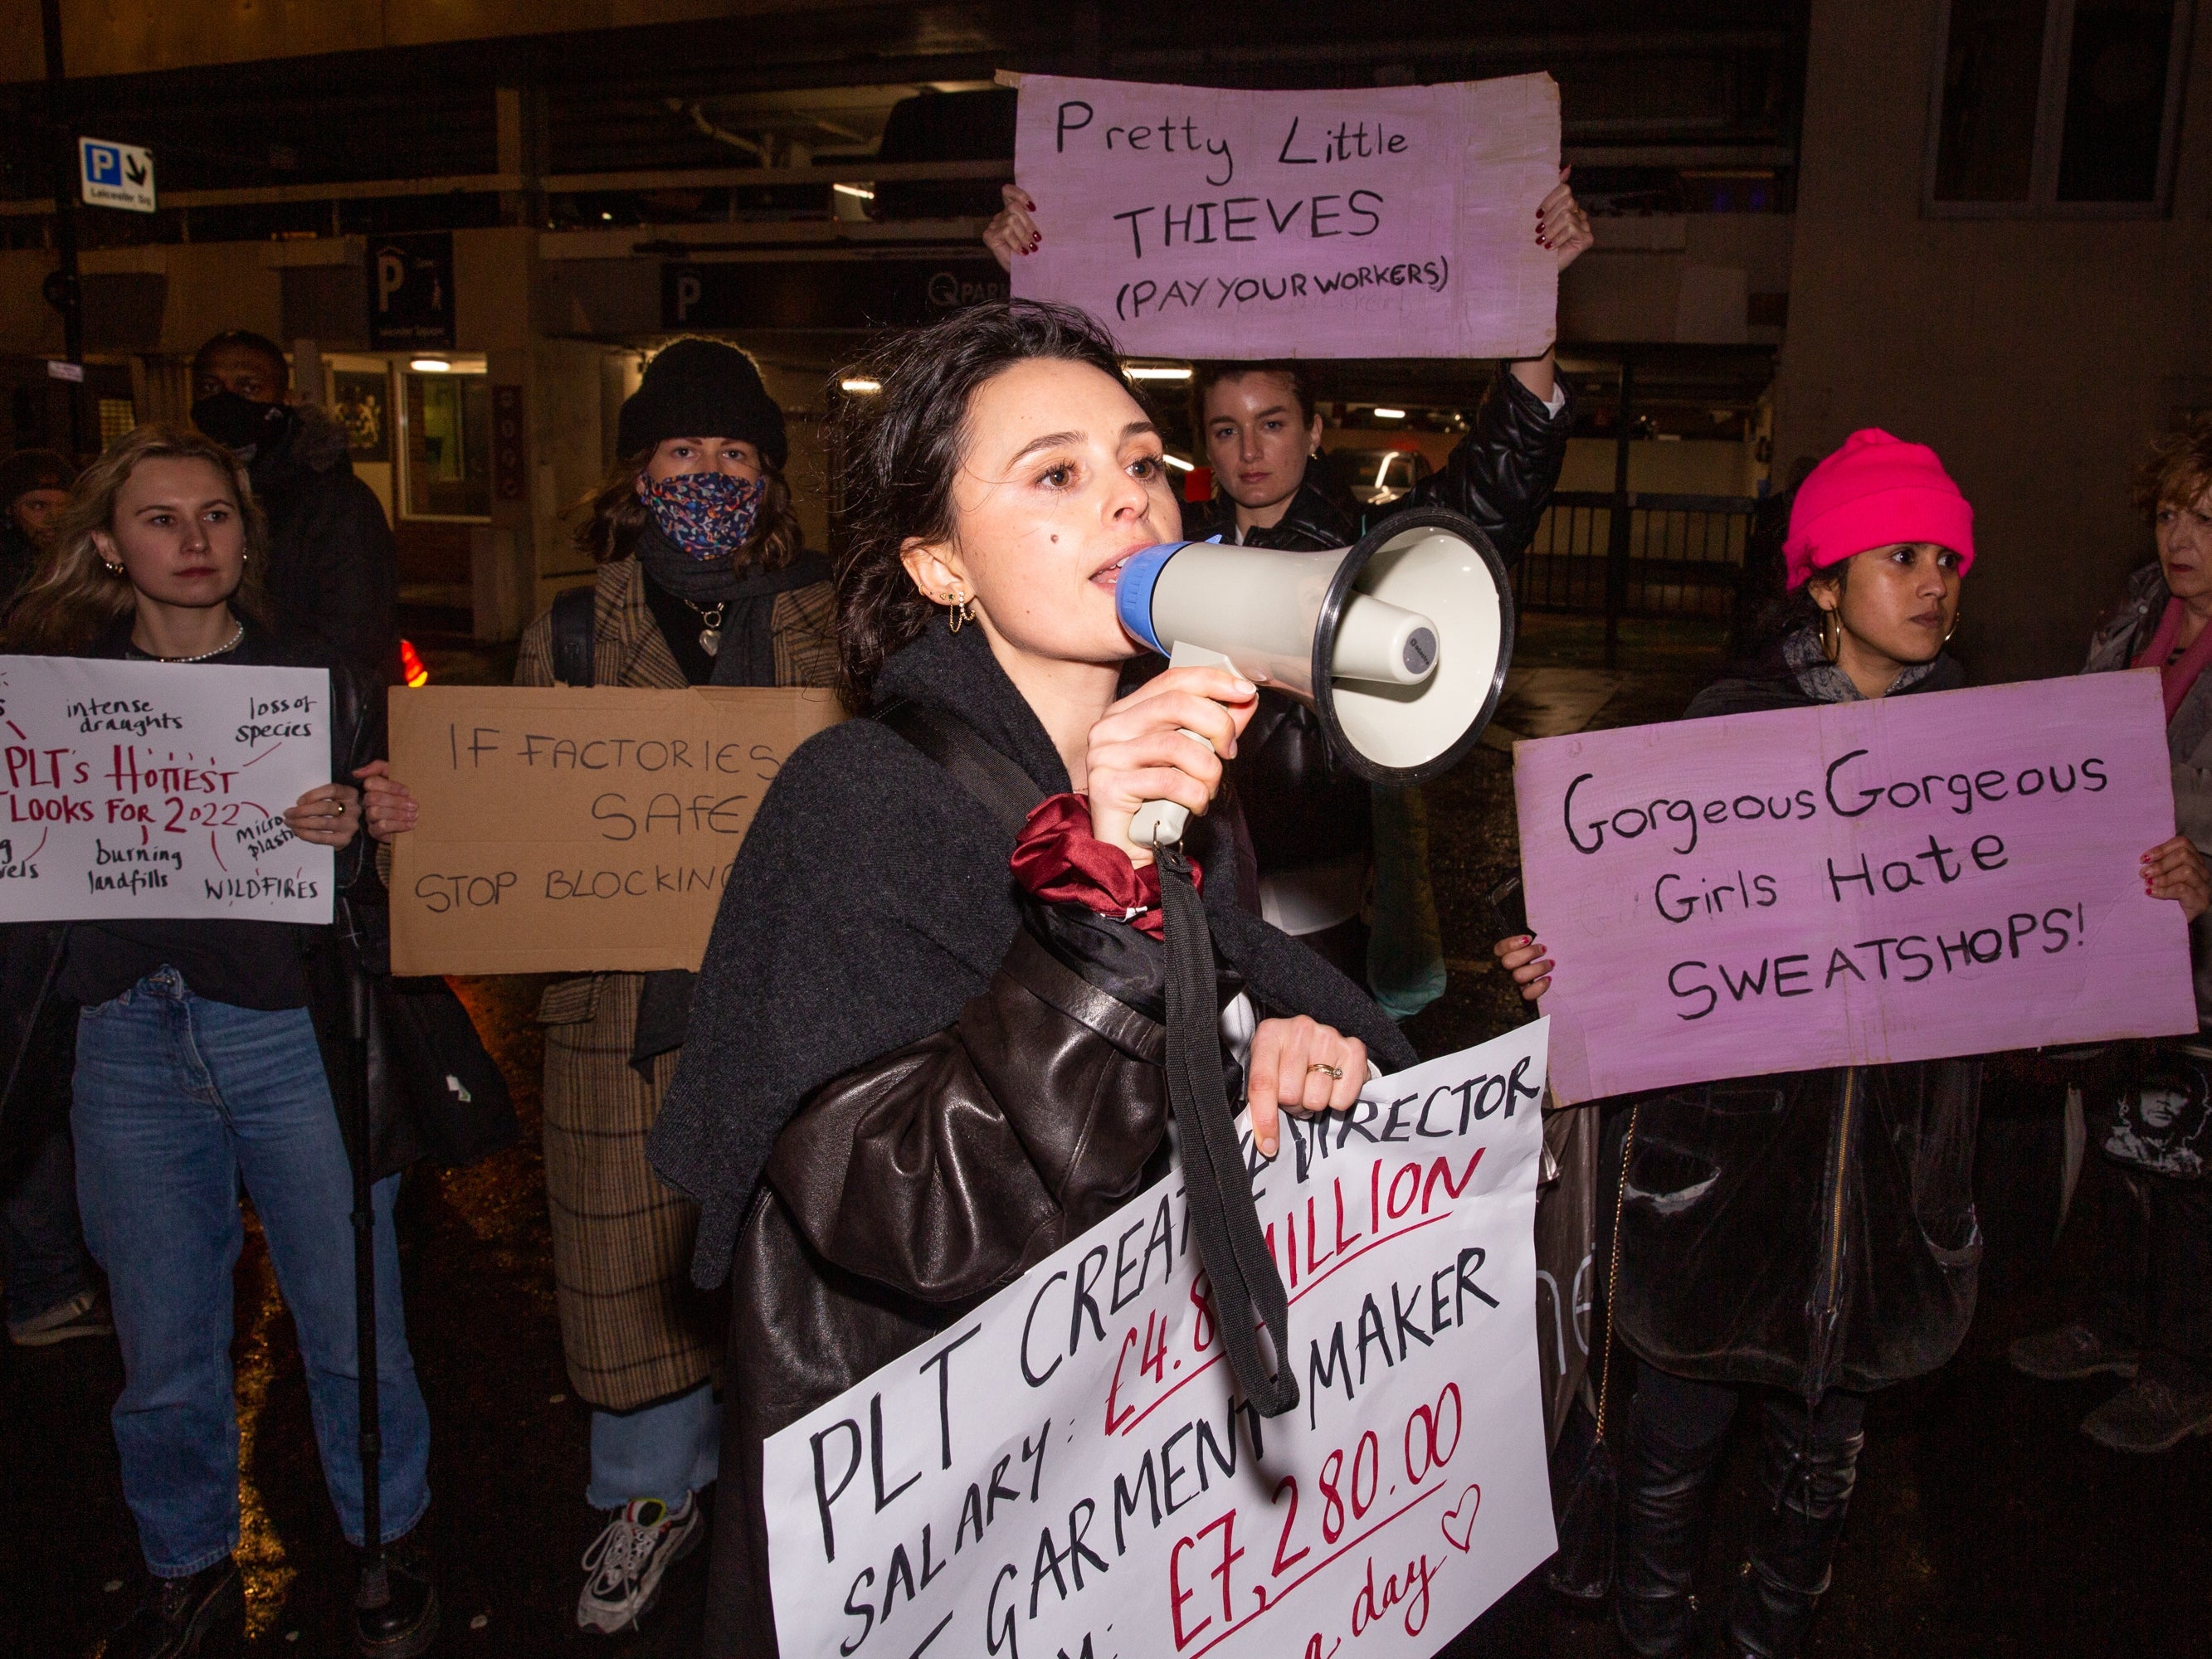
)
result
[(1795, 1240), (206, 1051)]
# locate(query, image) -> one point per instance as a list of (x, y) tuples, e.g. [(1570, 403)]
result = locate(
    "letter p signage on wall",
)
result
[(411, 292), (115, 175)]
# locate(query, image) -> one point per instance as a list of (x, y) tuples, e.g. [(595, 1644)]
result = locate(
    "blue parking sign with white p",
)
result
[(116, 175)]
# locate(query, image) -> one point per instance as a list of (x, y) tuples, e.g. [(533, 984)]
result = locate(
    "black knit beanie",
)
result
[(701, 389)]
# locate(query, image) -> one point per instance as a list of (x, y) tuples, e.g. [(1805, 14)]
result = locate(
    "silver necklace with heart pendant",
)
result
[(710, 627)]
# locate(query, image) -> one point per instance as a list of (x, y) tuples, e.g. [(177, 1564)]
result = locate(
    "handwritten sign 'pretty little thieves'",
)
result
[(1951, 873), (158, 789), (1384, 223), (566, 829), (1068, 1470)]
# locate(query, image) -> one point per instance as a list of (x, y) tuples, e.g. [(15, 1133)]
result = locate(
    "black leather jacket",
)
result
[(1303, 809), (37, 1027), (1802, 1230)]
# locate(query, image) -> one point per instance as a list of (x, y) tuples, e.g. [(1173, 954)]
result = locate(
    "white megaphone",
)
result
[(1399, 642)]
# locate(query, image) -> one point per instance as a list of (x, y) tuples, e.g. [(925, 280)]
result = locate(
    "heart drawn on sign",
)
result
[(1459, 1522)]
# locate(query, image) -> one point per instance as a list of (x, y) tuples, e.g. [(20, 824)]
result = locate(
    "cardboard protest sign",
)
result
[(146, 789), (566, 829), (1385, 222), (1953, 873), (1067, 1469)]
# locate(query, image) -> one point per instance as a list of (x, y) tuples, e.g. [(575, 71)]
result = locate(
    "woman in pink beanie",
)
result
[(1880, 540), (1789, 1242)]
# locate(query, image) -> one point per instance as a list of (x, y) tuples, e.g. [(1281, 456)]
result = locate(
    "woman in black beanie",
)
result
[(703, 579)]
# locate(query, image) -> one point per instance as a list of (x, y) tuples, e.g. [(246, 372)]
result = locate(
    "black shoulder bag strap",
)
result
[(1239, 1271), (573, 623)]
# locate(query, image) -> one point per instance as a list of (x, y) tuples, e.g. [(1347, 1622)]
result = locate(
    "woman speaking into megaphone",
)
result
[(1310, 819), (929, 1040)]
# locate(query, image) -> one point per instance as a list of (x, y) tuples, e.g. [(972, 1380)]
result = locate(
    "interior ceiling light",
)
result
[(860, 191), (431, 366), (1390, 414), (860, 384), (1157, 371)]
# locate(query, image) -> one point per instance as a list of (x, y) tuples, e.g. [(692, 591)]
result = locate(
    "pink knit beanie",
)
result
[(1874, 491)]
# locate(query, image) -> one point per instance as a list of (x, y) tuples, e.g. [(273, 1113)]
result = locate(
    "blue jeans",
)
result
[(177, 1098), (668, 1450)]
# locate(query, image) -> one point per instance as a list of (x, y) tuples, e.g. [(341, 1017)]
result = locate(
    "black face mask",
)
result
[(242, 424)]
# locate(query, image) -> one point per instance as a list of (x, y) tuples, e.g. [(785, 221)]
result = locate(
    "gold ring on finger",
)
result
[(1336, 1071)]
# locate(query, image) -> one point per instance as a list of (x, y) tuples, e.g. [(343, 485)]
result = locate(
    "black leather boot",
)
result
[(184, 1618), (1668, 1467), (1807, 1487), (403, 1622)]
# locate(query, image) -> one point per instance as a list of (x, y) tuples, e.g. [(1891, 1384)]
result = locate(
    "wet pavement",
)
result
[(1984, 1524)]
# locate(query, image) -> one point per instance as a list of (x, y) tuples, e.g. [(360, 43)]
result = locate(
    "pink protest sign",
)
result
[(1954, 874), (1390, 221)]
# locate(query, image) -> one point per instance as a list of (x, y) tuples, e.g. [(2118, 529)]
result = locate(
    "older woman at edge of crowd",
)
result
[(2151, 1319)]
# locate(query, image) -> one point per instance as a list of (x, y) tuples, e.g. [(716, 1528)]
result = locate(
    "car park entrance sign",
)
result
[(1201, 222), (115, 175)]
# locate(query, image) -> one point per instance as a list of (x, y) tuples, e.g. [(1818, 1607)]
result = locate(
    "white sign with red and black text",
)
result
[(1067, 1471), (139, 789)]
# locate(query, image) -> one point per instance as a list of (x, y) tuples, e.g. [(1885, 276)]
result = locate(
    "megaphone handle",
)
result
[(1161, 822)]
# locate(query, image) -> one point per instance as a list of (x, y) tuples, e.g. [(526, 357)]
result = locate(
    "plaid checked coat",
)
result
[(634, 1329)]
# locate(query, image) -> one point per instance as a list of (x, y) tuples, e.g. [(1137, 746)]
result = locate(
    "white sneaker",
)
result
[(627, 1562)]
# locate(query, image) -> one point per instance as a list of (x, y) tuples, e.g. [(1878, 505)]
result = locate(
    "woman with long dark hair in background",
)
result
[(204, 1056), (1319, 834), (704, 579)]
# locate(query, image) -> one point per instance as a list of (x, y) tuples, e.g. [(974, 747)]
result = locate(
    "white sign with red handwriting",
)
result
[(142, 789), (1067, 1471)]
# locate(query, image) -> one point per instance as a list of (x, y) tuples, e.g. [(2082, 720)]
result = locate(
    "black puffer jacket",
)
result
[(1303, 808), (333, 566), (1802, 1229)]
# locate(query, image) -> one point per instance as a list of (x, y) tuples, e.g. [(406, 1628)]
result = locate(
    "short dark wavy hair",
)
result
[(2178, 470), (902, 447)]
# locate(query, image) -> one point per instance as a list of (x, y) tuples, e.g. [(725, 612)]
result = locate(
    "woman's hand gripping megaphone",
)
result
[(1156, 757)]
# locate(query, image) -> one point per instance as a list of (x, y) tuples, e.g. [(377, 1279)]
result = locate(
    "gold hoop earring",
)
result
[(1953, 627), (1832, 634)]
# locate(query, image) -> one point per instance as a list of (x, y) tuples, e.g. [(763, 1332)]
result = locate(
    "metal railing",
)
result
[(1683, 555)]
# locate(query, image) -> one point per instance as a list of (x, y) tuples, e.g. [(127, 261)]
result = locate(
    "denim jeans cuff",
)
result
[(394, 1530), (200, 1563)]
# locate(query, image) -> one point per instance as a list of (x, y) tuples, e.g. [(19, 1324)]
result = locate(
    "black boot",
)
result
[(404, 1621), (1676, 1430), (1807, 1481), (179, 1615)]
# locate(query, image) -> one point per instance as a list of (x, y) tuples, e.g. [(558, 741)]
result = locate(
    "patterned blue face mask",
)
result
[(709, 514)]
